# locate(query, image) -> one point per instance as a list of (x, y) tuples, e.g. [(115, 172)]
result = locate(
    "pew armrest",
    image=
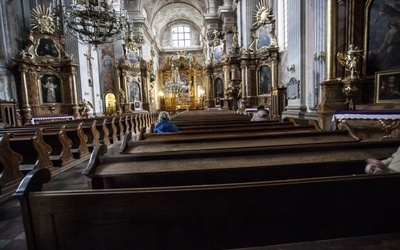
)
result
[(94, 159), (33, 181)]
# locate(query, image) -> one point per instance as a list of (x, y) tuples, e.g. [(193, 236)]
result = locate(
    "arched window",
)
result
[(180, 35)]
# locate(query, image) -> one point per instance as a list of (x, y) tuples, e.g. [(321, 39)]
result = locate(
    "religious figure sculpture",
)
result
[(351, 60), (85, 107)]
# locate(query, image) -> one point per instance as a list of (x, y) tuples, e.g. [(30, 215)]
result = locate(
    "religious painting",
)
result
[(387, 86), (263, 37), (264, 80), (50, 89), (383, 36), (218, 53), (219, 88), (134, 90), (133, 57), (47, 47), (138, 105)]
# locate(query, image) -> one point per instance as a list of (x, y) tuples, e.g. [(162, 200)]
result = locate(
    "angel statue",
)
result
[(351, 60), (85, 107)]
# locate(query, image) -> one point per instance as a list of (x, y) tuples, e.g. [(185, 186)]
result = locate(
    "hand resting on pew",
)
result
[(388, 165), (164, 124)]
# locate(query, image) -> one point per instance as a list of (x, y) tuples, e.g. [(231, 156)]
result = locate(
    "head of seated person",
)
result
[(164, 124), (262, 114), (375, 166)]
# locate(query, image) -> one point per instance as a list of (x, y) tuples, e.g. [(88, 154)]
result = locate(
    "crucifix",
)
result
[(89, 64)]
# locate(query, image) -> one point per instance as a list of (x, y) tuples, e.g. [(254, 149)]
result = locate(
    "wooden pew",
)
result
[(232, 164), (229, 132), (132, 146), (56, 140), (79, 139), (225, 126), (60, 144), (10, 174), (221, 216), (35, 152)]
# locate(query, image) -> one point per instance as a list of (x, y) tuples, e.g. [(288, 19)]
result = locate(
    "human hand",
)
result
[(375, 166)]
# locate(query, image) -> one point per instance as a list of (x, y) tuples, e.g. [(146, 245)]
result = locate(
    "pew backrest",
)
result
[(236, 215)]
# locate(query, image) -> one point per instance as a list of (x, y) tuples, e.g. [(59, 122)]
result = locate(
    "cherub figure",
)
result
[(85, 107)]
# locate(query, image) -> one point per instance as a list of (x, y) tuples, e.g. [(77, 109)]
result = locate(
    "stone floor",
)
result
[(12, 236)]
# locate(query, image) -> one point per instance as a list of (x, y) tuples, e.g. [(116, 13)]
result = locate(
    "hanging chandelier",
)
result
[(95, 22), (175, 86)]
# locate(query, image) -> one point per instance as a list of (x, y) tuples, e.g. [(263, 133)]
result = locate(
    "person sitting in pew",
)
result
[(164, 124), (261, 115), (388, 165)]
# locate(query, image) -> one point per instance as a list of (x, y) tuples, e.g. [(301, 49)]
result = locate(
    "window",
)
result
[(180, 36)]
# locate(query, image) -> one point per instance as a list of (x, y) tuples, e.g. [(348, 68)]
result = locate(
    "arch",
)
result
[(264, 80), (219, 88), (134, 92), (111, 103)]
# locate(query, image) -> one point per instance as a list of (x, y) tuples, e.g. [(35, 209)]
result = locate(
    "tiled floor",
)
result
[(12, 235)]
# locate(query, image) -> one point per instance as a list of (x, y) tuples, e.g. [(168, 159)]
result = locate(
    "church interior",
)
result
[(82, 84)]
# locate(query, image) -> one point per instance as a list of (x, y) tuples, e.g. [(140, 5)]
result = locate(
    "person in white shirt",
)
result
[(261, 115), (388, 165)]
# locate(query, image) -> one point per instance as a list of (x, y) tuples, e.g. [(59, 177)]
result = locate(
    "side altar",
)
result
[(48, 83), (369, 124)]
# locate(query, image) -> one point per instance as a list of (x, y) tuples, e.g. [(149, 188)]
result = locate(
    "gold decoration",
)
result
[(351, 61), (42, 19), (263, 14)]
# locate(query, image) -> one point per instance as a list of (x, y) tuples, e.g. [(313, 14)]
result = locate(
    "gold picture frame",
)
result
[(387, 86)]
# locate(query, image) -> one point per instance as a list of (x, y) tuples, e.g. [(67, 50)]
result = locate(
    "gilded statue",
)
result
[(351, 60)]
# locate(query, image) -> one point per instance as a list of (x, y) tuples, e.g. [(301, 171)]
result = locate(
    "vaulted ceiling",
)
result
[(160, 13)]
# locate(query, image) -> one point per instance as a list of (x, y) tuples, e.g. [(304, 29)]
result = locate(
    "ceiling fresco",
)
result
[(160, 13)]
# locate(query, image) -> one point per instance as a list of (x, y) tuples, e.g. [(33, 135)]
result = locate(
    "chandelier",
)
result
[(175, 87), (95, 22)]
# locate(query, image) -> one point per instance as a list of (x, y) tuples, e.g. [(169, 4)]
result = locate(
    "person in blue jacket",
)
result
[(164, 124)]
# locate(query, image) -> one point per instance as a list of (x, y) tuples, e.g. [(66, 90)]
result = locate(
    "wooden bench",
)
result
[(226, 126), (132, 146), (10, 174), (221, 216), (54, 137), (35, 152), (232, 132), (232, 164)]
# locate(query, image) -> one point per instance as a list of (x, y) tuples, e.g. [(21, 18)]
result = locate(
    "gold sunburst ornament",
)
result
[(42, 19), (262, 14)]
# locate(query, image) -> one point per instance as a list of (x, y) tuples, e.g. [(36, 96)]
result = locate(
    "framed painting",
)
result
[(382, 36), (263, 37), (387, 86), (264, 76), (134, 95), (218, 53), (50, 89), (47, 47)]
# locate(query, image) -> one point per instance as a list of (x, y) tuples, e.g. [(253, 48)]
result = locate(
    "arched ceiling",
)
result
[(176, 12), (153, 7), (160, 13)]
